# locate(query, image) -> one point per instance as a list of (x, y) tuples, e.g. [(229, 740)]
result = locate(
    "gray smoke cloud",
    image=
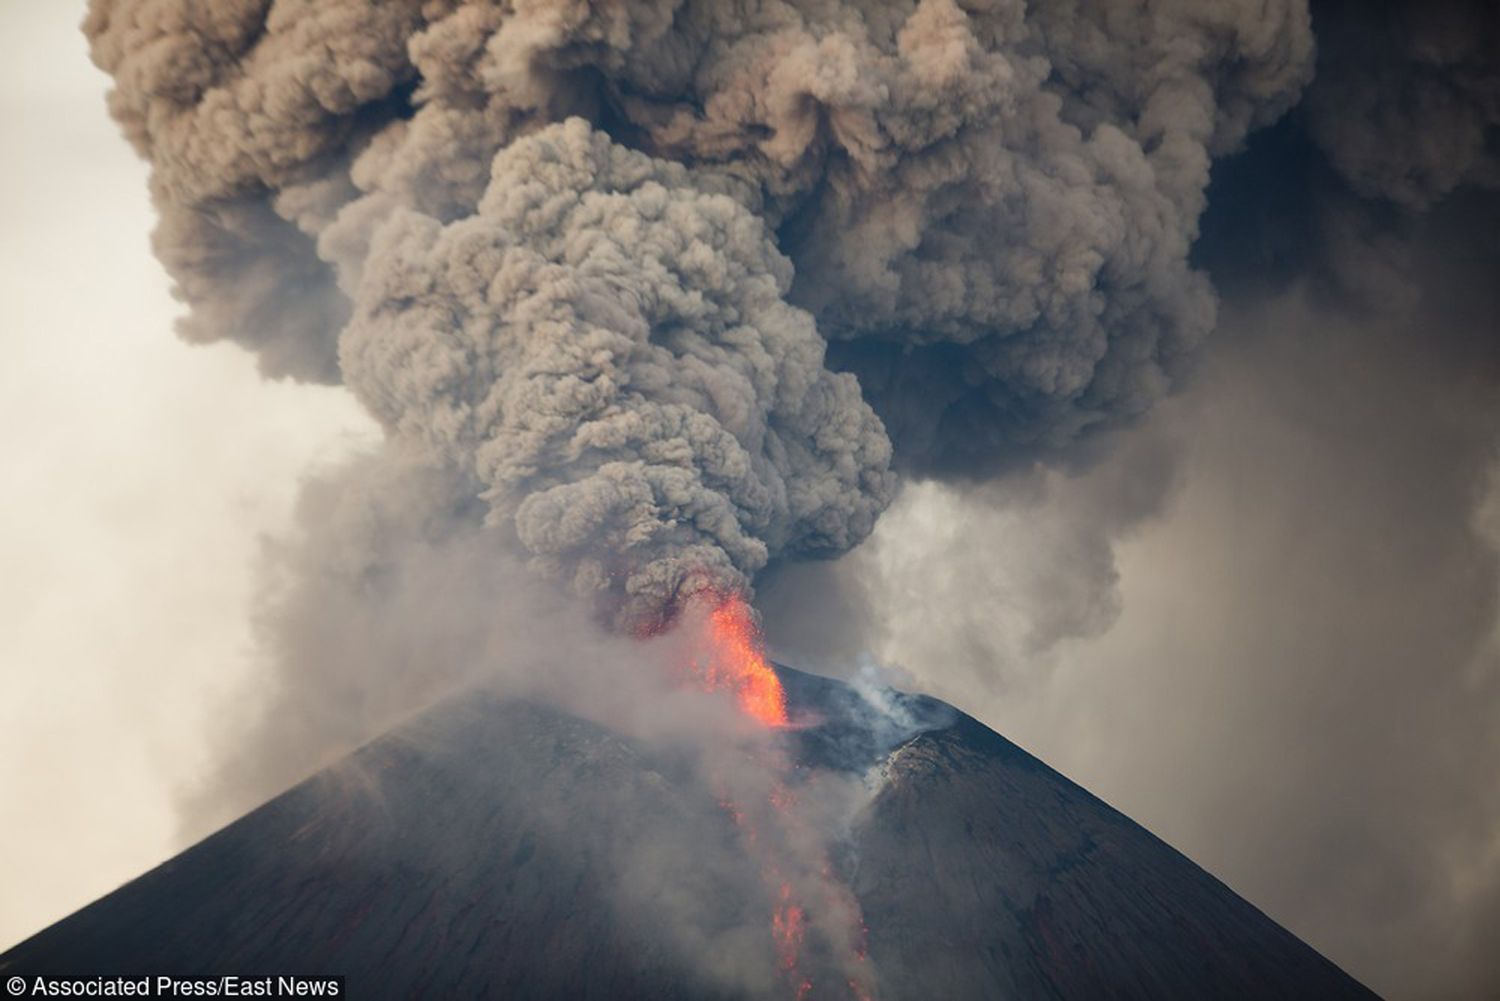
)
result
[(609, 349), (1289, 667), (1408, 98), (594, 255)]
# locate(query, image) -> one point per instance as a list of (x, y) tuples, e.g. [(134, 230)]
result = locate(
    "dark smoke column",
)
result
[(607, 348), (585, 256)]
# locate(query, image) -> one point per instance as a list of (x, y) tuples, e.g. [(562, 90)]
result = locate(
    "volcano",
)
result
[(499, 847)]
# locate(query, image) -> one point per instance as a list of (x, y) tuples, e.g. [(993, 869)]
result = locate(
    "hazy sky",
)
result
[(130, 520)]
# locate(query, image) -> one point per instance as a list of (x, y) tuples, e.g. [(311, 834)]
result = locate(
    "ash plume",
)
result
[(622, 264), (1408, 98)]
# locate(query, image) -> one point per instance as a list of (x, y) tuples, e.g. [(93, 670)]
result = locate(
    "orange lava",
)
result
[(730, 657), (737, 662), (788, 926)]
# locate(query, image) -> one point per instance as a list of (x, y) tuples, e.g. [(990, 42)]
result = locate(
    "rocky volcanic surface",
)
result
[(502, 848)]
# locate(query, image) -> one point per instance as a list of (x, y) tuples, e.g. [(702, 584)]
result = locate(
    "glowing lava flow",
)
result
[(788, 926), (733, 660), (735, 663)]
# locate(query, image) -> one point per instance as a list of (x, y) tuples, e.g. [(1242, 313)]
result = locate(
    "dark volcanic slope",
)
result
[(426, 865), (986, 874), (497, 848)]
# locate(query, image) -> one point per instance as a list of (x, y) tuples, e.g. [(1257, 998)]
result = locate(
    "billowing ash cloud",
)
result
[(1408, 99), (621, 263), (608, 347)]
